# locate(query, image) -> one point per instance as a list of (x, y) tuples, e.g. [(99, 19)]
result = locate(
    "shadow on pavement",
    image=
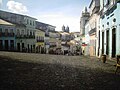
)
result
[(17, 75)]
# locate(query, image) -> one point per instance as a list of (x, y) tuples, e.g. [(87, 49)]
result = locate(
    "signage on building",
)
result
[(84, 44)]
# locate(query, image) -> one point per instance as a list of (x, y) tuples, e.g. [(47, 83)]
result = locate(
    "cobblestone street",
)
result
[(27, 71)]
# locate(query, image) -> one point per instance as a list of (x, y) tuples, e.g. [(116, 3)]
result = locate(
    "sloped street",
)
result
[(27, 71)]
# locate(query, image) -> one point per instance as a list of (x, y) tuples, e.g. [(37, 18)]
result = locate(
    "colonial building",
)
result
[(75, 43), (93, 23), (47, 29), (55, 42), (109, 27), (65, 39), (7, 36), (25, 35), (87, 39), (40, 44), (24, 30)]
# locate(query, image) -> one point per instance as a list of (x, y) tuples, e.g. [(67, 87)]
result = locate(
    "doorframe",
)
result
[(113, 42)]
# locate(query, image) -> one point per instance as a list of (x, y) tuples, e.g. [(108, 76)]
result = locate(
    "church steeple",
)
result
[(63, 28), (67, 29)]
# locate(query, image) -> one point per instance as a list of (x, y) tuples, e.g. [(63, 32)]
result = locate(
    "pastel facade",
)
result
[(24, 30), (87, 39), (110, 28), (7, 36), (40, 44), (91, 28), (25, 35)]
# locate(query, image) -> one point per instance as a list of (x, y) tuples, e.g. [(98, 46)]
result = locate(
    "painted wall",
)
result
[(3, 38), (107, 23)]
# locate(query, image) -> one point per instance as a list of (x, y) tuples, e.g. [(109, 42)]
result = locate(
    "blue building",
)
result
[(7, 36), (109, 33)]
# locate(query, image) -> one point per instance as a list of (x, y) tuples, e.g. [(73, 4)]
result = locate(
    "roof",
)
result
[(65, 33), (3, 22), (18, 14), (41, 24)]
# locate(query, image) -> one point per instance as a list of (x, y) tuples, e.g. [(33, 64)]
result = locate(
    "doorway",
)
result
[(102, 42), (1, 44), (12, 45), (98, 42), (18, 47), (107, 42), (31, 48), (113, 42), (6, 45), (23, 48), (28, 48)]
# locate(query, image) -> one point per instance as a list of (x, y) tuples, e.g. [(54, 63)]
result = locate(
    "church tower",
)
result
[(63, 28)]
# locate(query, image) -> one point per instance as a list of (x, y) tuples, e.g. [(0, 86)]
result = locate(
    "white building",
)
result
[(24, 30)]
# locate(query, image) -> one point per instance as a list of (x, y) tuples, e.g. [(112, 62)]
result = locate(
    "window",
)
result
[(22, 33), (6, 32), (27, 32), (37, 38), (11, 44), (0, 30), (18, 32), (108, 2), (33, 23), (11, 32), (1, 44), (30, 22), (31, 33), (27, 21)]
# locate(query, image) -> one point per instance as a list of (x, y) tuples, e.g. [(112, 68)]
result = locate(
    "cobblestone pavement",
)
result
[(25, 71)]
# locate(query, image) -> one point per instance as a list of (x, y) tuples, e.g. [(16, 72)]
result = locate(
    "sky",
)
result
[(53, 12)]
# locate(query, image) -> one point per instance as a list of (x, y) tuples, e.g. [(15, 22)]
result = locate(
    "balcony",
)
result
[(7, 34), (25, 37), (40, 40)]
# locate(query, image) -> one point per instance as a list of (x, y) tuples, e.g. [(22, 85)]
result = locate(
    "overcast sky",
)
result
[(54, 12)]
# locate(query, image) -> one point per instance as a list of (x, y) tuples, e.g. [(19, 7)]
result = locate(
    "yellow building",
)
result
[(40, 45)]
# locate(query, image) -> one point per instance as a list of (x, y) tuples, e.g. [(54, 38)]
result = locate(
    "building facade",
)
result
[(93, 21), (87, 39), (24, 30), (7, 36), (109, 27), (40, 44)]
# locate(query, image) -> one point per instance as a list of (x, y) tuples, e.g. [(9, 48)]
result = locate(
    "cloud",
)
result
[(59, 19), (66, 15), (16, 7)]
